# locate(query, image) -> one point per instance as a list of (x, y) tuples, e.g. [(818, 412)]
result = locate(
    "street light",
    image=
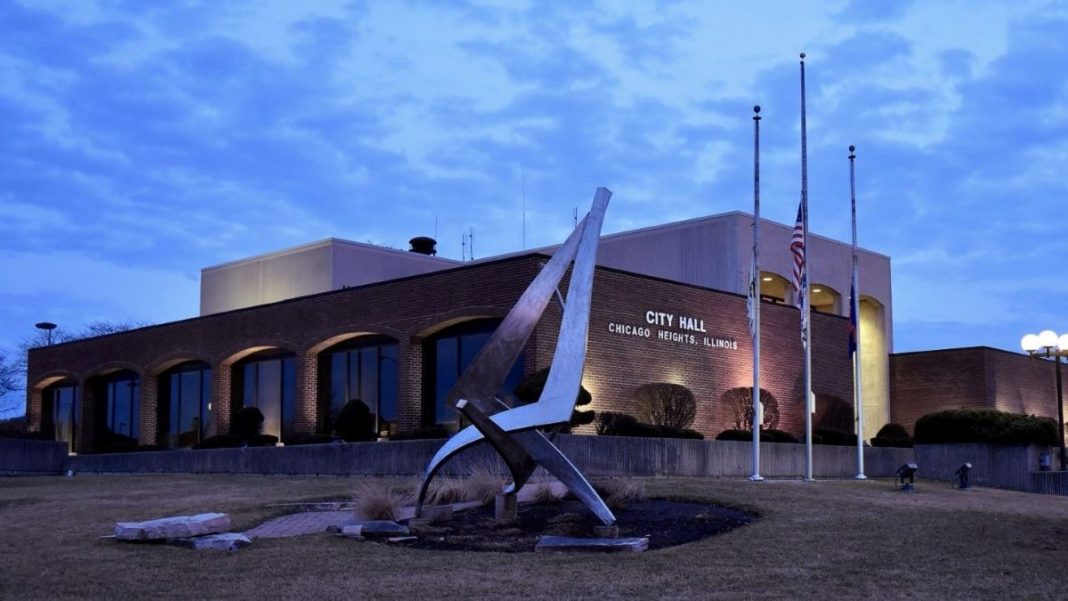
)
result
[(47, 326), (1047, 344)]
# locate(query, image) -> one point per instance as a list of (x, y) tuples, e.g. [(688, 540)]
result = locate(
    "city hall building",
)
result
[(299, 332)]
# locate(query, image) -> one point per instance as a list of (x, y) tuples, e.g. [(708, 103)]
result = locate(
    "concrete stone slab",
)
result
[(225, 541), (180, 526), (591, 545), (352, 531), (382, 529)]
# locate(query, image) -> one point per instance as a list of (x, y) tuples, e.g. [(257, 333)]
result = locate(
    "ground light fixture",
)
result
[(1048, 345), (962, 474), (907, 470)]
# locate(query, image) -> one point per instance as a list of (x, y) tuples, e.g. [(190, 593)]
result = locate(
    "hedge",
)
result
[(892, 435), (984, 425), (610, 423)]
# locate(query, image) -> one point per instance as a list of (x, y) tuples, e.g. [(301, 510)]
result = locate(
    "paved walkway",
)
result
[(296, 524)]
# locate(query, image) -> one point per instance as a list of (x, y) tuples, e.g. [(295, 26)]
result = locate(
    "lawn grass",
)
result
[(822, 540)]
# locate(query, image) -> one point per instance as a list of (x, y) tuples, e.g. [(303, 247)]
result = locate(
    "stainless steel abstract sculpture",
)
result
[(513, 432)]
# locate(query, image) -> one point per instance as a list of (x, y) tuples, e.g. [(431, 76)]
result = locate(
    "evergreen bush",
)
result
[(985, 426), (892, 435)]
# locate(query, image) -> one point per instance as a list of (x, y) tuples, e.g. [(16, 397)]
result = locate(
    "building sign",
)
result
[(670, 327)]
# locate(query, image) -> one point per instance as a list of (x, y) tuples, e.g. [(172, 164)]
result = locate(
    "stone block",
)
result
[(181, 526), (382, 529), (225, 541), (606, 531), (437, 513), (352, 531), (506, 509), (591, 545)]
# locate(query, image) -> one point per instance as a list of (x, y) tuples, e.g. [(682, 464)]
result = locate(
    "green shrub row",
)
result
[(984, 425)]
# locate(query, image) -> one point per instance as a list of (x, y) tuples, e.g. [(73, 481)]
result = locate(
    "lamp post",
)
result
[(1047, 344), (47, 326)]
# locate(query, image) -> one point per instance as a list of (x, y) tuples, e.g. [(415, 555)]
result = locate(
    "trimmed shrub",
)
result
[(303, 439), (740, 402), (892, 435), (832, 413), (665, 404), (985, 425), (247, 423), (529, 390), (779, 436), (354, 423), (830, 436), (424, 433), (610, 423), (747, 436)]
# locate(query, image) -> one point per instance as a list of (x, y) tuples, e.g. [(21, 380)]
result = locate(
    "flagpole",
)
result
[(806, 304), (855, 308), (754, 292)]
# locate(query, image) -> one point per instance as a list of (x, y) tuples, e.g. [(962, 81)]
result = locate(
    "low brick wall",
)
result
[(31, 456), (594, 455)]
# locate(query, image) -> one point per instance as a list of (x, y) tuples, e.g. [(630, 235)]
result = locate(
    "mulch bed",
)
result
[(664, 522)]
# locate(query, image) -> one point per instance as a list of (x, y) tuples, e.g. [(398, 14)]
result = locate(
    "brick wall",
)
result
[(929, 381), (411, 309)]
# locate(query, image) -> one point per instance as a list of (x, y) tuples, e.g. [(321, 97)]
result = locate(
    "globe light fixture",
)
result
[(1029, 343), (1047, 339), (1048, 345)]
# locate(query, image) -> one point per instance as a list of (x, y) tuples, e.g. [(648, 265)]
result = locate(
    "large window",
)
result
[(447, 355), (123, 407), (365, 370), (269, 383), (185, 405), (59, 413)]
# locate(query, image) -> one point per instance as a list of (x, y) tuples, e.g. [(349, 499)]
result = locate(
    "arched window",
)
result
[(268, 381), (825, 299), (362, 369), (185, 405), (59, 412), (775, 288), (446, 355), (120, 423)]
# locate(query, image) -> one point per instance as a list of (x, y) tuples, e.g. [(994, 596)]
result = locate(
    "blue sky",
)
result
[(142, 141)]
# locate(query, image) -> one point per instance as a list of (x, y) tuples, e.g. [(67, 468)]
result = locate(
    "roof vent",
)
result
[(423, 245)]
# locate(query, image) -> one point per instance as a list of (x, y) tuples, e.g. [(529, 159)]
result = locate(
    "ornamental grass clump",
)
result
[(446, 490), (546, 493), (619, 493), (376, 500), (483, 482)]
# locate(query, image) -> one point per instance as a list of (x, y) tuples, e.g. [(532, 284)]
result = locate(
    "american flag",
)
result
[(797, 247)]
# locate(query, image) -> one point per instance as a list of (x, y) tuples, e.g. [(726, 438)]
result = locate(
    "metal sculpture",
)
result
[(513, 432)]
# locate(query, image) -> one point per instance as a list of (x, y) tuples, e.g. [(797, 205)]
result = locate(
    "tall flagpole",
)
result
[(854, 299), (806, 305), (754, 298)]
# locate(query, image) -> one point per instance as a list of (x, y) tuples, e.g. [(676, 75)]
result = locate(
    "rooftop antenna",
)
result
[(471, 243), (463, 247), (574, 218)]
